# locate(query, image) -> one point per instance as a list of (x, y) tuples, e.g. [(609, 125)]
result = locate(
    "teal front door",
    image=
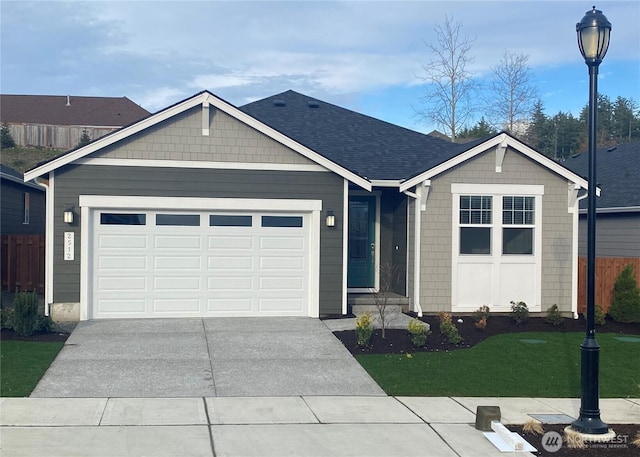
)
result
[(362, 223)]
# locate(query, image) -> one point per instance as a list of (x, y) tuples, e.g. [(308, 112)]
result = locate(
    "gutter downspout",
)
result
[(48, 251), (416, 249)]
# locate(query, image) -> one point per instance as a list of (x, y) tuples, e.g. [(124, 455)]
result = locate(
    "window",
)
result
[(122, 219), (26, 207), (282, 221), (183, 220), (518, 219), (475, 224), (217, 220)]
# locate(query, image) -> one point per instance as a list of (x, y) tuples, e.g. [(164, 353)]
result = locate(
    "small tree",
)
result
[(84, 138), (6, 139), (388, 276), (625, 306)]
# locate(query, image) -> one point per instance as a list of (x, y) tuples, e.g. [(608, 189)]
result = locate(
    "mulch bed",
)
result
[(8, 334), (397, 341)]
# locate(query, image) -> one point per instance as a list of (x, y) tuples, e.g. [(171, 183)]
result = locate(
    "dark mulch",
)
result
[(621, 446), (8, 334), (397, 341)]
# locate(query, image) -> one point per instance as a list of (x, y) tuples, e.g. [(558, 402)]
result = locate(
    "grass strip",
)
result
[(507, 366), (23, 363)]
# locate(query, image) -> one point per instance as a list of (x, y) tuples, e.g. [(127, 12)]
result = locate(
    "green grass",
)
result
[(22, 158), (505, 366), (23, 363)]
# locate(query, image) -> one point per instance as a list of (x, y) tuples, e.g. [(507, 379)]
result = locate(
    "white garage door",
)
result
[(188, 264)]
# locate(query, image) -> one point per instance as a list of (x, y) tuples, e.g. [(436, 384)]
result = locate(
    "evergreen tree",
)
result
[(6, 139), (481, 130), (84, 139)]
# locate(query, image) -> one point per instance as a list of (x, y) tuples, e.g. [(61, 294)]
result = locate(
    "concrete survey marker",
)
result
[(628, 339), (532, 341)]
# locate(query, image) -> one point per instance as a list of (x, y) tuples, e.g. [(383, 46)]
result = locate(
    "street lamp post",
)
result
[(593, 39)]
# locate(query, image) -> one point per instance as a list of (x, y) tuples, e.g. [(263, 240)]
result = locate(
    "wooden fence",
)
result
[(607, 270), (23, 262)]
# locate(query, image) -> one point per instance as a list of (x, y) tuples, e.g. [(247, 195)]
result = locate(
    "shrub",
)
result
[(448, 328), (599, 315), (418, 333), (364, 329), (625, 306), (482, 323), (25, 313), (519, 312), (480, 314), (44, 324), (6, 317), (553, 315), (6, 139)]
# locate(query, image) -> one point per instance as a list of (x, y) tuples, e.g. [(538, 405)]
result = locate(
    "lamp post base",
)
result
[(576, 439)]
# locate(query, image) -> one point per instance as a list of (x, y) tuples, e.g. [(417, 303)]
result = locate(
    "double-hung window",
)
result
[(518, 222), (476, 218)]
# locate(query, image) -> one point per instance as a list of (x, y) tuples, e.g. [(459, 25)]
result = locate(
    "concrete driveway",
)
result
[(224, 357)]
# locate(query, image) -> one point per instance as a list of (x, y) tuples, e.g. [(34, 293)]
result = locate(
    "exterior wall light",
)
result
[(330, 220), (68, 215)]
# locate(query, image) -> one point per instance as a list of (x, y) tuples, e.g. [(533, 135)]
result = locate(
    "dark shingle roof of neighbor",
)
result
[(5, 170), (617, 173), (369, 147), (82, 111)]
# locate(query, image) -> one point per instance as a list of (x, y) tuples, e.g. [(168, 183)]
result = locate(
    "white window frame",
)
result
[(496, 260)]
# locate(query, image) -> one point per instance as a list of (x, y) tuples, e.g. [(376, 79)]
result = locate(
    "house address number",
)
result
[(68, 245)]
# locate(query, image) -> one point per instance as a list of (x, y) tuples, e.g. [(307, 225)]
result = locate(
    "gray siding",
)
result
[(617, 235), (72, 181), (436, 235), (180, 138), (12, 204)]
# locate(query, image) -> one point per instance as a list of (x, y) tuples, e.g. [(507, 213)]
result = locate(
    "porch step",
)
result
[(369, 299), (390, 310)]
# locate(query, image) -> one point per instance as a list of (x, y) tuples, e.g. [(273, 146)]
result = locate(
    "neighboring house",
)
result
[(23, 204), (288, 204), (617, 218), (618, 207), (58, 121)]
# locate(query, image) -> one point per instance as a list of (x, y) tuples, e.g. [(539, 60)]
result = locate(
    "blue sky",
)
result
[(363, 55)]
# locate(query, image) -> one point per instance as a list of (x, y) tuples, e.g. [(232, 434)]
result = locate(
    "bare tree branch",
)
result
[(449, 86)]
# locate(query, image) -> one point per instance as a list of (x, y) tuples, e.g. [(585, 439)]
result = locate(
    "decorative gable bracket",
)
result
[(205, 118), (426, 186), (501, 149)]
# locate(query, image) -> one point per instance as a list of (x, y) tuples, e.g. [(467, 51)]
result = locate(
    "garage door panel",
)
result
[(281, 305), (185, 283), (177, 263), (231, 242), (122, 241), (120, 283), (229, 305), (118, 263), (281, 263), (282, 243), (120, 306), (176, 305), (230, 283), (221, 264), (178, 242), (281, 283)]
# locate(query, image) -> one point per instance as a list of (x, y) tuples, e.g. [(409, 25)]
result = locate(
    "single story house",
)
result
[(618, 206), (23, 204), (286, 205), (58, 121)]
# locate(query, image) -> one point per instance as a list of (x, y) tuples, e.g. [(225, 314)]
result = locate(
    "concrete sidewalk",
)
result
[(270, 426)]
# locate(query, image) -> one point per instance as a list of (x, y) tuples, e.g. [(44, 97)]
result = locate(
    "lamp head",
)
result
[(593, 36)]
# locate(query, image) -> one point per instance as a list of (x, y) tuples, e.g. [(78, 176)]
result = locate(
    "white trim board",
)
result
[(159, 163)]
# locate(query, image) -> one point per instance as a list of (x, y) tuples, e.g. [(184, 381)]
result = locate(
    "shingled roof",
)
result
[(364, 145), (70, 110), (617, 174)]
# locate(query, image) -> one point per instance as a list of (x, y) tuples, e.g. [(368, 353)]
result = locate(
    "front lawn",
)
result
[(510, 365), (23, 363)]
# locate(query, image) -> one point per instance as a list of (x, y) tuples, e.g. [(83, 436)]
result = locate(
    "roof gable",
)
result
[(617, 175), (203, 99), (501, 141)]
